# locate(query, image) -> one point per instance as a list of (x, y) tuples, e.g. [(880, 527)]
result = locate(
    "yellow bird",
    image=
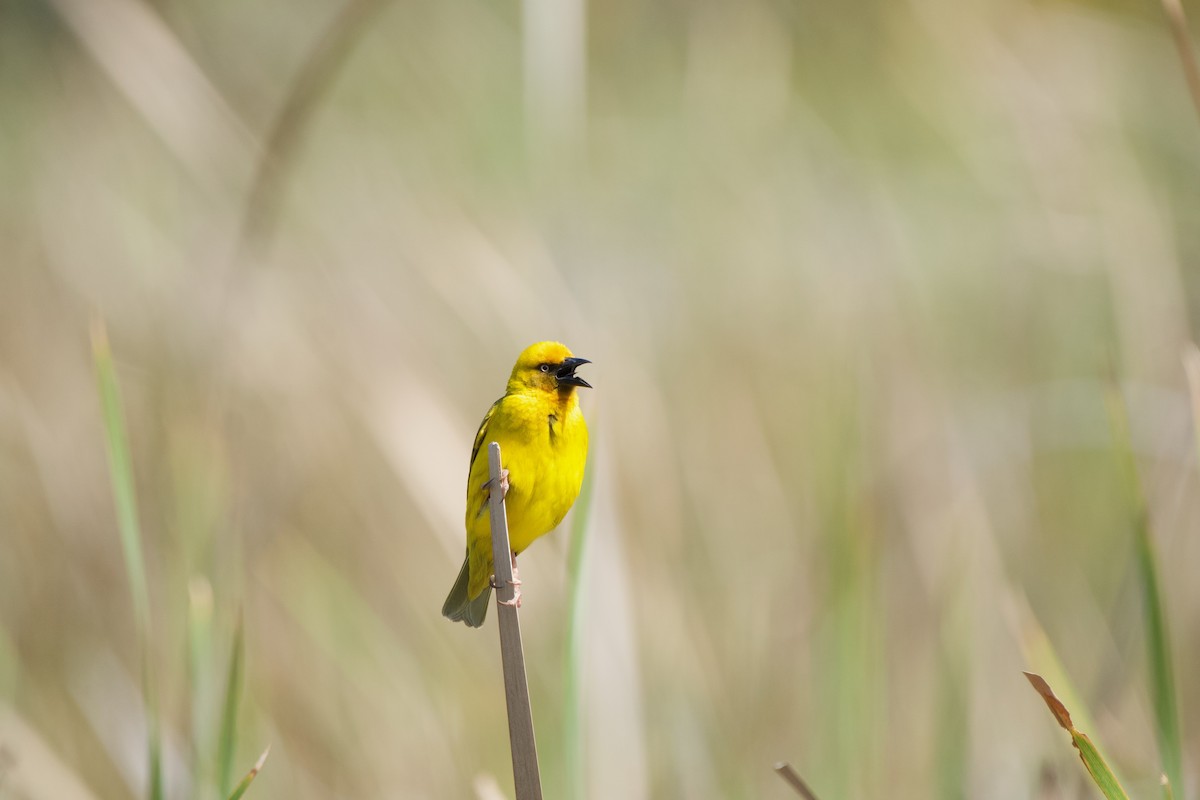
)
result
[(543, 442)]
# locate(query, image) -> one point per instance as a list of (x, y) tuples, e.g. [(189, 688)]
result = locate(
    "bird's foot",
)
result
[(516, 599), (515, 602), (503, 484)]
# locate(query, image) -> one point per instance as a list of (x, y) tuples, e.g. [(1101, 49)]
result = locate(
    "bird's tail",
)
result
[(459, 606)]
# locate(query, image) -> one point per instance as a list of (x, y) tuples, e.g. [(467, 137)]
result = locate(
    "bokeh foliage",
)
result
[(856, 280)]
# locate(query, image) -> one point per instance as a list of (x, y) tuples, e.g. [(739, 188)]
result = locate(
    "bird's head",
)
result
[(549, 367)]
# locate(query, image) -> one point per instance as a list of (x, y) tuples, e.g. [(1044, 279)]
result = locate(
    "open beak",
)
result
[(566, 373)]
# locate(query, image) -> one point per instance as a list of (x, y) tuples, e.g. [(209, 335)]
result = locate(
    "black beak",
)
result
[(566, 373)]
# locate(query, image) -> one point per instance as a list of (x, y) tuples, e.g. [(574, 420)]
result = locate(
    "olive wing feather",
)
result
[(481, 435)]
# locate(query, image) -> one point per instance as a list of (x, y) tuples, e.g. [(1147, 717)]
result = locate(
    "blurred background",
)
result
[(860, 283)]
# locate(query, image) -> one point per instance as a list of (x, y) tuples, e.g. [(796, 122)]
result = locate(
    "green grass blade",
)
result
[(120, 465), (572, 717), (1099, 770), (250, 776), (1158, 643), (121, 470), (1092, 760), (228, 736), (1162, 678)]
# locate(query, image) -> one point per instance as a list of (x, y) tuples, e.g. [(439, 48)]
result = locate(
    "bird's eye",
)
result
[(544, 367)]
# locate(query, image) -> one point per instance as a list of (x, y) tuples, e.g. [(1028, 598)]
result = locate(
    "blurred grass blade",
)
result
[(1162, 679), (572, 717), (1101, 774), (250, 776), (308, 89), (121, 469), (1183, 45), (120, 465), (1158, 644), (1191, 367), (200, 683), (1041, 656), (952, 731), (233, 691)]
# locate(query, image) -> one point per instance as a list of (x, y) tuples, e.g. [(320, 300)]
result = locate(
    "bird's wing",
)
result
[(481, 434)]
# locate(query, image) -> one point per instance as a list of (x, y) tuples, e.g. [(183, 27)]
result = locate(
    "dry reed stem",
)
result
[(794, 780), (526, 778)]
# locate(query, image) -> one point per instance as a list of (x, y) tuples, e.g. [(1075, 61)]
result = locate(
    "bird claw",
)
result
[(514, 582), (515, 602), (503, 483)]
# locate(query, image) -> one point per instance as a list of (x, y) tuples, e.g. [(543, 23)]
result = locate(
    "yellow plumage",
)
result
[(543, 443)]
